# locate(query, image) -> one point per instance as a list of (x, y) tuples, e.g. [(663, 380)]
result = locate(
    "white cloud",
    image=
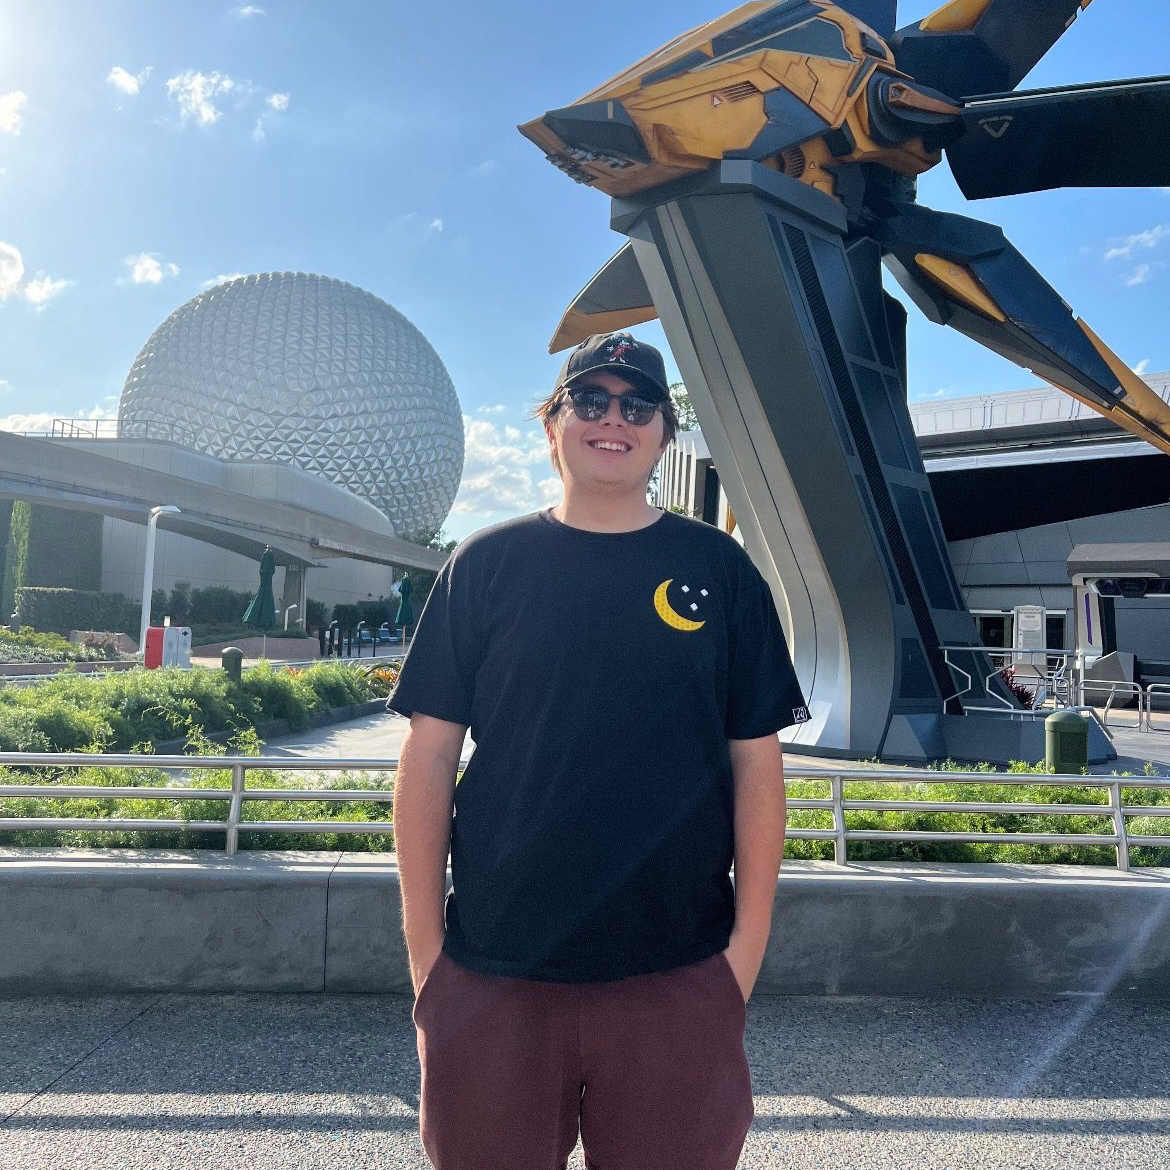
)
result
[(1141, 274), (498, 408), (147, 268), (247, 12), (501, 469), (1142, 367), (275, 103), (42, 289), (195, 95), (222, 278), (126, 82), (11, 270), (1146, 239), (12, 111), (39, 291), (416, 228), (41, 422)]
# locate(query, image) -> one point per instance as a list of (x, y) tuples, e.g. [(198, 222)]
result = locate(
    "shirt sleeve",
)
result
[(438, 675), (764, 695)]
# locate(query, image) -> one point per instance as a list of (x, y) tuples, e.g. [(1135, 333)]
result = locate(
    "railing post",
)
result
[(233, 822), (839, 842), (1119, 826)]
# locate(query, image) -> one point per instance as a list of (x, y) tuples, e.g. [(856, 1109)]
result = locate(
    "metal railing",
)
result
[(1052, 679), (837, 804), (1058, 679), (167, 430)]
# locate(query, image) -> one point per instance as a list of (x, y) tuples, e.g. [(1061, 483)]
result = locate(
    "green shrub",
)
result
[(36, 646), (217, 603), (210, 633), (280, 694), (78, 609), (70, 712), (347, 617)]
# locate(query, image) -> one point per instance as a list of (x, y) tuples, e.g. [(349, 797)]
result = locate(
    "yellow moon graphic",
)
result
[(662, 606)]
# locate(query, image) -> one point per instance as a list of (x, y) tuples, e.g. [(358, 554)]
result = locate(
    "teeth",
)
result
[(603, 446)]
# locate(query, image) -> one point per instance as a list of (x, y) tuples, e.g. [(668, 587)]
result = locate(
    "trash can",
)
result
[(1066, 743), (232, 659)]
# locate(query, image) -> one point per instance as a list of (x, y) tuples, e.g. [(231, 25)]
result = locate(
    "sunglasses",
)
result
[(589, 404)]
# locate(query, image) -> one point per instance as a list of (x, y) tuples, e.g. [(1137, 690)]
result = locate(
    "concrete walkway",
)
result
[(380, 736), (331, 1083)]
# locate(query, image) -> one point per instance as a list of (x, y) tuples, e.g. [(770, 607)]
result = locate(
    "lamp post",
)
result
[(287, 612), (148, 571)]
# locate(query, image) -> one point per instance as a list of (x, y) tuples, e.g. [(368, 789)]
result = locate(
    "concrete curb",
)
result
[(90, 922)]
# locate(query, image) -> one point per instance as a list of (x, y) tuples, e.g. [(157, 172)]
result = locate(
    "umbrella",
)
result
[(261, 611)]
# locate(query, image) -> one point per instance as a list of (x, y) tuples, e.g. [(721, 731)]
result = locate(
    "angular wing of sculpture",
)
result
[(764, 165)]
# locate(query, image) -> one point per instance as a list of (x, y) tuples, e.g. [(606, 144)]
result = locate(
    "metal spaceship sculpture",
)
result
[(764, 165)]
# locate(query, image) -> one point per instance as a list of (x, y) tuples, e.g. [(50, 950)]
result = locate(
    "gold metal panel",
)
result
[(575, 326), (960, 282), (1142, 412), (696, 39), (957, 16)]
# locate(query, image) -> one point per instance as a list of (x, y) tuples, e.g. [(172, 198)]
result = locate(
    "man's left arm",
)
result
[(757, 768)]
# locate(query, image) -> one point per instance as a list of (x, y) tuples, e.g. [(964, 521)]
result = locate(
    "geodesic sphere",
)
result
[(310, 371)]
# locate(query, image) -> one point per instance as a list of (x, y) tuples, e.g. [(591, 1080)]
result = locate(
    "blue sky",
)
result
[(148, 148)]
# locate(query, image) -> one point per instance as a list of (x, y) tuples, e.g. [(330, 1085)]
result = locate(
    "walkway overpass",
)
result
[(236, 506)]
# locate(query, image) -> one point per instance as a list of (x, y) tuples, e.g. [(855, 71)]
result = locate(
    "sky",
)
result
[(150, 149)]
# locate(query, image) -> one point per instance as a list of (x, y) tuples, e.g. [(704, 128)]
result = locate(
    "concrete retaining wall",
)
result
[(80, 922)]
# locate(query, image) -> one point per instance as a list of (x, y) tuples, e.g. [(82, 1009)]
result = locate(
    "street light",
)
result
[(148, 571)]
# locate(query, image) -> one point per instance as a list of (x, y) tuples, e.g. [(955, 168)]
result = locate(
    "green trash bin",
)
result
[(1066, 743), (232, 660)]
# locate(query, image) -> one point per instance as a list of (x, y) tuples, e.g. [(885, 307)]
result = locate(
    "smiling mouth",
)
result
[(615, 449)]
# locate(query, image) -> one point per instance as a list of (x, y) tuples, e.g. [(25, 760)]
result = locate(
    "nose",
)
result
[(613, 411)]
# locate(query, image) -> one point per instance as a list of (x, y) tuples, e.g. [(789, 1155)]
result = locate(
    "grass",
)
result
[(374, 812)]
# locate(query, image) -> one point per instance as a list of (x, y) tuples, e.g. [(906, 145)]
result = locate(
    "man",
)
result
[(624, 676)]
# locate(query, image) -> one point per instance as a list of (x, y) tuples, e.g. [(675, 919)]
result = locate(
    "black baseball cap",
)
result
[(621, 354)]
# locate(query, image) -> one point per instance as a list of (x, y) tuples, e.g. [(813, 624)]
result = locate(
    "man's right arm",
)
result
[(424, 801)]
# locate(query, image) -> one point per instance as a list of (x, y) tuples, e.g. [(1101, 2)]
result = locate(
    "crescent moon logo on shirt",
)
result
[(668, 613)]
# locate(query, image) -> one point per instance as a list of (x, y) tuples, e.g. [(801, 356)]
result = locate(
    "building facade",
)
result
[(1020, 479)]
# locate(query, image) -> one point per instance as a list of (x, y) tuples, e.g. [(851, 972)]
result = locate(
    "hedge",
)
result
[(139, 708), (77, 609)]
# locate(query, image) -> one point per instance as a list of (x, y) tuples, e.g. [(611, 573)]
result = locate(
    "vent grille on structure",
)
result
[(739, 91), (792, 162)]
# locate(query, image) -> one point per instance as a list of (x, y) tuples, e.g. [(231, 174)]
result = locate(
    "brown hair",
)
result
[(546, 408)]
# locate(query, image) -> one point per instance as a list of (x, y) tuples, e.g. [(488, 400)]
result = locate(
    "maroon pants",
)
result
[(650, 1070)]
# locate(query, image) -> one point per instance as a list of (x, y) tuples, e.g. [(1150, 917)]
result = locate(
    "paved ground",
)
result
[(380, 737), (308, 1082)]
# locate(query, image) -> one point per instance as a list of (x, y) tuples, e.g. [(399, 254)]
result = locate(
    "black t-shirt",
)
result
[(601, 675)]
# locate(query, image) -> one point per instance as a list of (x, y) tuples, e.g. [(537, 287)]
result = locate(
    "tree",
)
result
[(429, 538), (422, 580), (683, 408)]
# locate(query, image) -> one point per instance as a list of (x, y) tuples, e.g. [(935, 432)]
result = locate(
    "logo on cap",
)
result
[(619, 347)]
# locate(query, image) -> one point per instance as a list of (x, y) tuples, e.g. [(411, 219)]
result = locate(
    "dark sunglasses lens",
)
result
[(637, 410), (590, 405)]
